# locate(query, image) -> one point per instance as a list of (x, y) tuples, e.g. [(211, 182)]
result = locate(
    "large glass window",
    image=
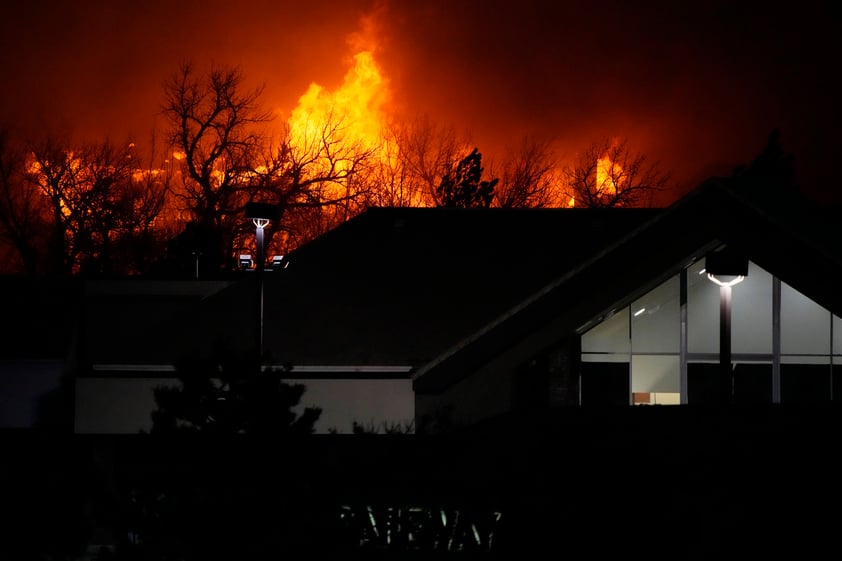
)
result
[(644, 341), (655, 344), (655, 373), (605, 361), (837, 339), (611, 337), (655, 317), (805, 326), (702, 311), (751, 313)]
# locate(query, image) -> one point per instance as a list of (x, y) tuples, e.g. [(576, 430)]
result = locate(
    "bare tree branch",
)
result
[(609, 175), (529, 178)]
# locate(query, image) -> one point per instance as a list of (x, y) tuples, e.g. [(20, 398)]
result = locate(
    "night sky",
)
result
[(697, 86)]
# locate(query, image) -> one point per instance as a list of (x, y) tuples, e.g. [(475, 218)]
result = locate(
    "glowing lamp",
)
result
[(261, 214), (726, 267), (245, 261), (279, 263)]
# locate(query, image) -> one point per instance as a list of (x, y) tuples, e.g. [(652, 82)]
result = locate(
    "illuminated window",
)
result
[(645, 339)]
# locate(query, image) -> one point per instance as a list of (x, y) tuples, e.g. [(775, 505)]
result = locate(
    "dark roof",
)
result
[(128, 321), (39, 316), (781, 232), (399, 286)]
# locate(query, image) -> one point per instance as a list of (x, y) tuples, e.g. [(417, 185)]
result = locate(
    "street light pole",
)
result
[(726, 269), (725, 341), (261, 215), (259, 224)]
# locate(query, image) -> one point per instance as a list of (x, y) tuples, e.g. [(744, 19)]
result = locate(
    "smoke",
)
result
[(696, 86)]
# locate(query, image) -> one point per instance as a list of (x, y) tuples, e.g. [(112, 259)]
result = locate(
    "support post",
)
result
[(259, 281), (727, 372)]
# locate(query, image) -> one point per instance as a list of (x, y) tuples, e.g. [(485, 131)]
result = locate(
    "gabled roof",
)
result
[(779, 231), (39, 316), (129, 321), (399, 286)]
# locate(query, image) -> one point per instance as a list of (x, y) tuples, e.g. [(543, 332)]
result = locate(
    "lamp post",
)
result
[(261, 215), (726, 269)]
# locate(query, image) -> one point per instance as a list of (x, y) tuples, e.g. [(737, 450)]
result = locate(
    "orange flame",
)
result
[(607, 173), (356, 107)]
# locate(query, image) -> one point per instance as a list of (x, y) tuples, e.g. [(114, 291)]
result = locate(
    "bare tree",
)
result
[(215, 126), (227, 160), (463, 186), (82, 190), (139, 205), (316, 177), (529, 178), (21, 210), (427, 153), (392, 183), (610, 174)]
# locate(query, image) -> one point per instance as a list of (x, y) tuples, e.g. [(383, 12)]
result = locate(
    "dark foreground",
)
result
[(661, 482)]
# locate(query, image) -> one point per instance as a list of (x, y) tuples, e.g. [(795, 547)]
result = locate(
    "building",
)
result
[(428, 318), (606, 408), (639, 323), (353, 316), (40, 317)]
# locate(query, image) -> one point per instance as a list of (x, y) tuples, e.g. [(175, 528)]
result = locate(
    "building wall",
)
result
[(124, 405), (25, 388), (784, 346), (513, 381), (115, 405), (484, 394), (376, 405)]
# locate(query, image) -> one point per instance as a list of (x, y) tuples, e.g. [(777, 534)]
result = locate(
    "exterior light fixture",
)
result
[(726, 281), (726, 268), (261, 215), (279, 263), (245, 261)]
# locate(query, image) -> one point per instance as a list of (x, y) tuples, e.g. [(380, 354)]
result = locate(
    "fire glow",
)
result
[(355, 116), (355, 108)]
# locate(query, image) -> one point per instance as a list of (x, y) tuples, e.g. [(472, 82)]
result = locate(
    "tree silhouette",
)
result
[(610, 175), (21, 210), (771, 169), (462, 187), (230, 394), (528, 178), (419, 153), (214, 128), (98, 202)]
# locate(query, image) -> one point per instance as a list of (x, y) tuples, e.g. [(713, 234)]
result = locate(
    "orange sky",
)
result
[(697, 87)]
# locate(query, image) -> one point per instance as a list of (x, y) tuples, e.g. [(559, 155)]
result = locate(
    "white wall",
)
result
[(368, 402), (115, 405), (124, 405), (23, 384)]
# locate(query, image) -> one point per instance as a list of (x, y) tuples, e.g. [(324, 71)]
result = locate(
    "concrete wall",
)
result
[(124, 405), (372, 403), (115, 405), (24, 387)]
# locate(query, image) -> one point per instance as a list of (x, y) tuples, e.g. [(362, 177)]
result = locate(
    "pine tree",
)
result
[(231, 394), (771, 170), (462, 186)]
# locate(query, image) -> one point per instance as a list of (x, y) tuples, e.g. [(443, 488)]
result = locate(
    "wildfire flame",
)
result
[(354, 115), (607, 173), (356, 107)]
